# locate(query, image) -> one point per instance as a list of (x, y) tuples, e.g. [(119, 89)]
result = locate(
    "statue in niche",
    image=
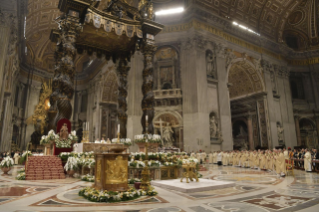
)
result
[(168, 135), (64, 134), (210, 64), (242, 131), (273, 81), (280, 133), (213, 127)]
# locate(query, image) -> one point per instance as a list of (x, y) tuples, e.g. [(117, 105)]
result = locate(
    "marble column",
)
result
[(224, 101), (297, 130), (250, 132)]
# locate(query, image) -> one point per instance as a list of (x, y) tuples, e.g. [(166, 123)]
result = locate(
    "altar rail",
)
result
[(299, 164)]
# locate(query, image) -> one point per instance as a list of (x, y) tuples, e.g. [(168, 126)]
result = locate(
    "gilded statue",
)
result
[(40, 112), (64, 133)]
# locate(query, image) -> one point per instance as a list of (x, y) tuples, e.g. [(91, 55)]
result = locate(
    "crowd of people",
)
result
[(14, 155), (268, 160)]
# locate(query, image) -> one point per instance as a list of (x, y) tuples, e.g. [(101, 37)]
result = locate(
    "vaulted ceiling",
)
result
[(294, 22)]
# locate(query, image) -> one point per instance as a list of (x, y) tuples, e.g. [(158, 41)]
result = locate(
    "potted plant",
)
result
[(71, 165), (6, 165)]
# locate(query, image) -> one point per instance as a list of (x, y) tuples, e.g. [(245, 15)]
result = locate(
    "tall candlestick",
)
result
[(146, 118), (88, 126), (118, 128)]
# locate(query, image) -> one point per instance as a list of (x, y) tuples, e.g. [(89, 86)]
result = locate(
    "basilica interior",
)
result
[(204, 75)]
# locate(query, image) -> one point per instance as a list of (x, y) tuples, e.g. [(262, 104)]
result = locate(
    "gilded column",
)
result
[(122, 72), (250, 132), (62, 84), (297, 130), (147, 88)]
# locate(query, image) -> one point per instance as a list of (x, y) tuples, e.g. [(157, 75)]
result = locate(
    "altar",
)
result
[(93, 147)]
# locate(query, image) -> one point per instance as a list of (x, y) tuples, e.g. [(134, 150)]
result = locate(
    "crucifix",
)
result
[(161, 128)]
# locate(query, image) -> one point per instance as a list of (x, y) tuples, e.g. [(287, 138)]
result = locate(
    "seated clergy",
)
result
[(103, 141), (97, 141)]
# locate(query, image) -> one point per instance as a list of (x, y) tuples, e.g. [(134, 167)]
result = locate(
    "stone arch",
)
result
[(244, 79), (308, 132), (110, 87)]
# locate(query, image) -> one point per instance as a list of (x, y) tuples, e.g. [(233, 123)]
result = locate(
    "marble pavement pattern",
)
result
[(254, 191)]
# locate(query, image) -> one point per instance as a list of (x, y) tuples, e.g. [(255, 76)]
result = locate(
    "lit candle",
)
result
[(88, 126), (146, 118), (118, 128)]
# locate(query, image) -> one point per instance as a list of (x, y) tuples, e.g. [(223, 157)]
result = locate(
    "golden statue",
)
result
[(64, 133), (40, 112)]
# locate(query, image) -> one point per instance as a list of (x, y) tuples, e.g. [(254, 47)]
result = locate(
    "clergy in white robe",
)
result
[(219, 158), (210, 158), (307, 161)]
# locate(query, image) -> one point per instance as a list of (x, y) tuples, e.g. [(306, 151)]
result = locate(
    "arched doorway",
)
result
[(249, 103), (240, 135), (308, 133)]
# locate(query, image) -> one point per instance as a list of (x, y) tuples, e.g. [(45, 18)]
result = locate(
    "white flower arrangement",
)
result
[(90, 163), (64, 143), (150, 138), (6, 162), (88, 178), (71, 164)]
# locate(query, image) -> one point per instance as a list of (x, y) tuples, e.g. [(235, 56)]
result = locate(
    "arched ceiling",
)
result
[(244, 80), (39, 22), (270, 18)]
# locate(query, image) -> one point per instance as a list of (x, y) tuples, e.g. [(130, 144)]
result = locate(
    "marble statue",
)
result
[(280, 132), (64, 134), (168, 135), (210, 65), (213, 127)]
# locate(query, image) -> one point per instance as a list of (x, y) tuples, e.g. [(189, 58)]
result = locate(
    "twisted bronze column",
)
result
[(148, 50), (122, 72), (62, 84)]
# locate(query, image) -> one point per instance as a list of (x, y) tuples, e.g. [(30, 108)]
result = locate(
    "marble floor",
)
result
[(253, 191)]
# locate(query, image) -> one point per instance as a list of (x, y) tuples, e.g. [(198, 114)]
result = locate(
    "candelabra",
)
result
[(145, 183), (85, 138)]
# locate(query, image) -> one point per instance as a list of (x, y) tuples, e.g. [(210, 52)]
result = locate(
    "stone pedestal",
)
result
[(111, 170), (153, 147)]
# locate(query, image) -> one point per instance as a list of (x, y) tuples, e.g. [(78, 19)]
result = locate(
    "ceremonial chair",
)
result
[(289, 167)]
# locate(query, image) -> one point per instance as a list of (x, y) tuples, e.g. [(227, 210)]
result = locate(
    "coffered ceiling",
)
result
[(274, 19)]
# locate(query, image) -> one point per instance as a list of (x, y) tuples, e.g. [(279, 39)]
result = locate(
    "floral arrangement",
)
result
[(150, 138), (136, 164), (72, 164), (6, 162), (169, 164), (45, 139), (89, 163), (110, 196), (133, 180), (64, 155), (21, 175), (64, 143), (24, 156), (88, 178), (125, 141)]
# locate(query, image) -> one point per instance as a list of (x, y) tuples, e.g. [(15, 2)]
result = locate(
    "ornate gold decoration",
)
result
[(190, 172), (98, 171), (116, 171), (145, 181), (40, 112)]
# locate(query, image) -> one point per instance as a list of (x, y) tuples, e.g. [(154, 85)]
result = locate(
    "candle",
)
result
[(146, 118), (118, 128), (88, 126)]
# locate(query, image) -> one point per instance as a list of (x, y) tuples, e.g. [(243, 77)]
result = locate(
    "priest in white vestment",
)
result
[(307, 161), (210, 158)]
